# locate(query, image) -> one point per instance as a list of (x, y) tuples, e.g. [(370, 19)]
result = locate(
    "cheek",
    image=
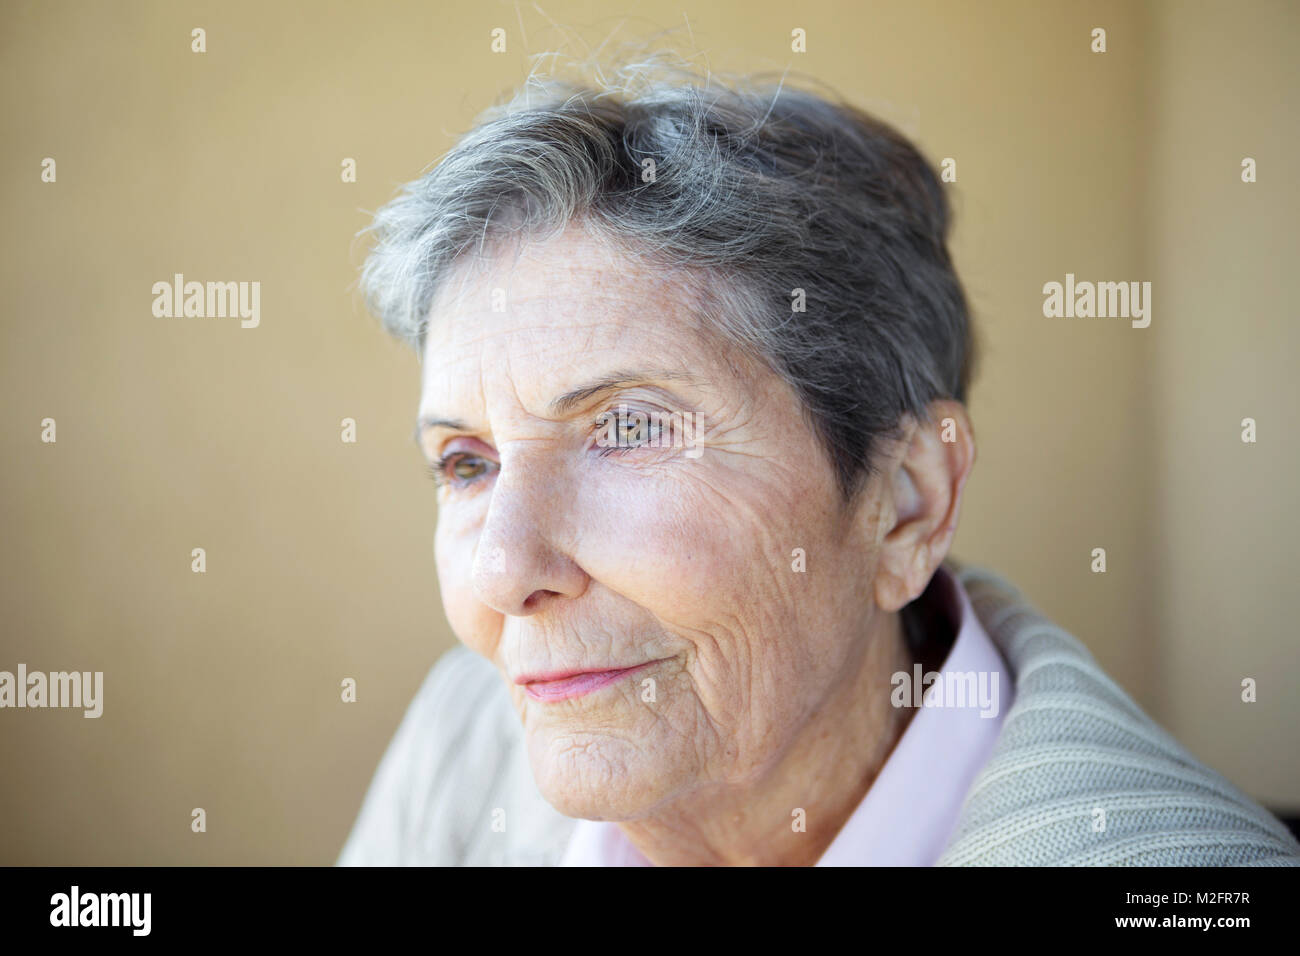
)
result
[(698, 546), (709, 553), (475, 624), (707, 558), (647, 538)]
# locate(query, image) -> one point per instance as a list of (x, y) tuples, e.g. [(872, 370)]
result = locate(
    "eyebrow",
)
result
[(620, 379), (424, 423), (559, 406)]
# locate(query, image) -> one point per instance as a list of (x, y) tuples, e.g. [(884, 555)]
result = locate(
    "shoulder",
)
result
[(1080, 775), (454, 786)]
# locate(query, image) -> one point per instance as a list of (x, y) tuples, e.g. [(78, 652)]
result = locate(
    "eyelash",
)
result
[(441, 479), (619, 448), (438, 469)]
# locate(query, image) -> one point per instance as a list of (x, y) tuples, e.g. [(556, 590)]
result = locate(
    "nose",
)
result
[(518, 567)]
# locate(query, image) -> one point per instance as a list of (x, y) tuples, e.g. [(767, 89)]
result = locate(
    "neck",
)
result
[(825, 772)]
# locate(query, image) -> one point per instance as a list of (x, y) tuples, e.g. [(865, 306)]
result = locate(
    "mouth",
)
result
[(566, 685)]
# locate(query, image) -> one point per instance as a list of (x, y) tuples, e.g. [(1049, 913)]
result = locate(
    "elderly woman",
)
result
[(694, 365)]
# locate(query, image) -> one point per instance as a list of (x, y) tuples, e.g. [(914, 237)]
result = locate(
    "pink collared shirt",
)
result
[(908, 815)]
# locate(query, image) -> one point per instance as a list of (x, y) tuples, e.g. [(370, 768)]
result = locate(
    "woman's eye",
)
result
[(634, 431), (622, 430), (467, 469), (460, 469)]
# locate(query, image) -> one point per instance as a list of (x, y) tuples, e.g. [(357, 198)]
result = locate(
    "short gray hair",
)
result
[(762, 191)]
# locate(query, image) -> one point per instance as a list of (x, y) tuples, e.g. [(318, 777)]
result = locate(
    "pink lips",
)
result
[(567, 685)]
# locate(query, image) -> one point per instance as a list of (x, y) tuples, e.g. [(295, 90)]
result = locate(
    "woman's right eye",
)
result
[(459, 469)]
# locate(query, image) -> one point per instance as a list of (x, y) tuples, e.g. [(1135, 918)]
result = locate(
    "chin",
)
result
[(598, 777)]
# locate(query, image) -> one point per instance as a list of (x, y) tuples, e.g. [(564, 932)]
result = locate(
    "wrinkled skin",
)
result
[(770, 688)]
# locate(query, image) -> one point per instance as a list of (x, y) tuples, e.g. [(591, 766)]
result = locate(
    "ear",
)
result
[(923, 491)]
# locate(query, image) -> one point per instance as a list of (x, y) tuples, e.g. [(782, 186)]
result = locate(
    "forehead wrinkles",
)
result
[(562, 319), (503, 370), (554, 290)]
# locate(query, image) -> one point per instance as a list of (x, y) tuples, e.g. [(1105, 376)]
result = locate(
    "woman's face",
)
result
[(561, 552)]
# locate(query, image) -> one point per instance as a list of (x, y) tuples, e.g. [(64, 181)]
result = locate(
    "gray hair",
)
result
[(759, 191)]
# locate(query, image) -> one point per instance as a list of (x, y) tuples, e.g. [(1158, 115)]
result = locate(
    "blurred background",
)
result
[(222, 689)]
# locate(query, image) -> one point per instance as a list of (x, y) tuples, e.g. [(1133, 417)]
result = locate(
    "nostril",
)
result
[(537, 597)]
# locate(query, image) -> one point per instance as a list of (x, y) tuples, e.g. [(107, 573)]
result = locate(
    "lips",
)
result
[(566, 685)]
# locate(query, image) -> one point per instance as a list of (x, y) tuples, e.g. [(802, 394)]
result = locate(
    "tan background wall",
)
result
[(222, 689), (1226, 86)]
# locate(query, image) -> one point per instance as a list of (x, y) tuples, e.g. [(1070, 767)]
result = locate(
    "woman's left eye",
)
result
[(633, 431), (620, 431)]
